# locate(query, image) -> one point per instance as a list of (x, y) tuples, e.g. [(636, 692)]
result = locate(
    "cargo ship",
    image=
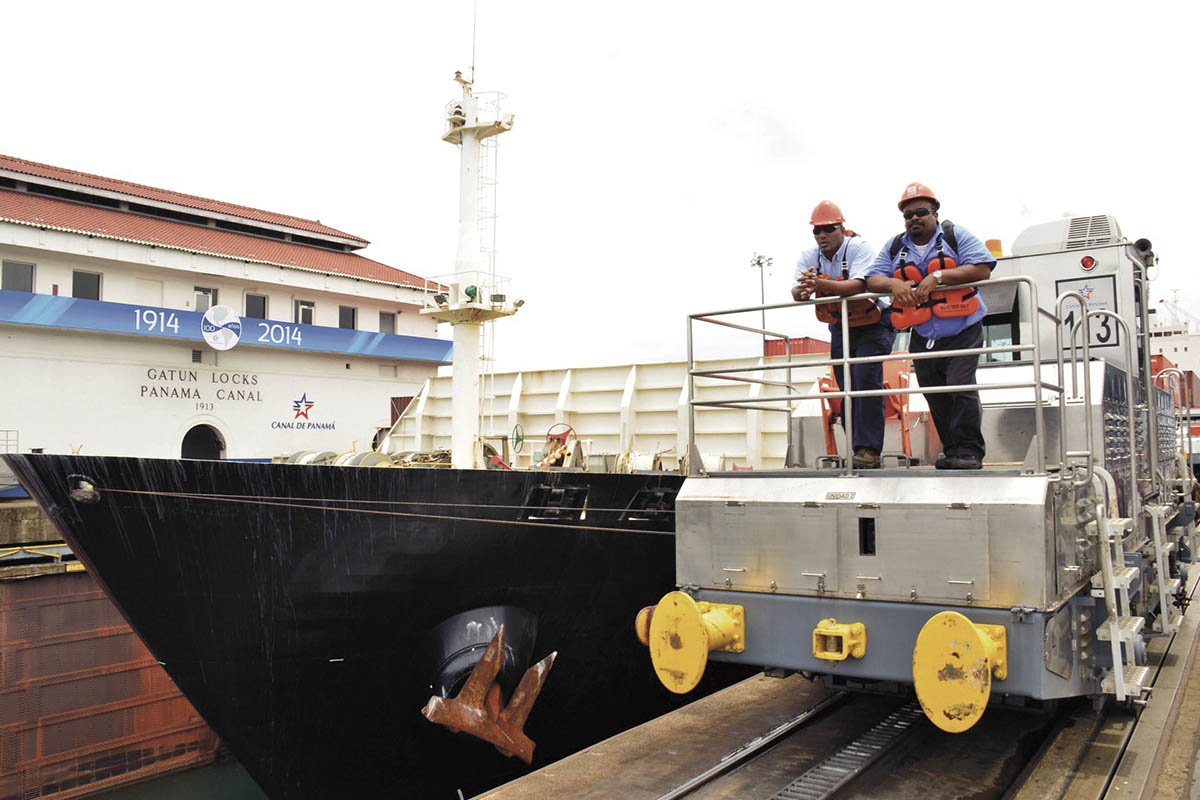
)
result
[(308, 613), (311, 612)]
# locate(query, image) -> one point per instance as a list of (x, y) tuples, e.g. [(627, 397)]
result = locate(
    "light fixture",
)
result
[(472, 293), (497, 299), (518, 303), (440, 299)]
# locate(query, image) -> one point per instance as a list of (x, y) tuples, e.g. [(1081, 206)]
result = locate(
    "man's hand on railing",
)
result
[(903, 293), (806, 285)]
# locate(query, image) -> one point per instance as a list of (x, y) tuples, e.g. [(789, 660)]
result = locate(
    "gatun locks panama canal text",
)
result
[(220, 379)]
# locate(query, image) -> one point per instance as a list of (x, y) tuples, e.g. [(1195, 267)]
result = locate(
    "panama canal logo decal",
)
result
[(302, 406), (221, 327), (300, 420)]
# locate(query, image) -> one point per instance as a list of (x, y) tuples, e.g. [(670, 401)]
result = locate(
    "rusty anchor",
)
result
[(476, 709)]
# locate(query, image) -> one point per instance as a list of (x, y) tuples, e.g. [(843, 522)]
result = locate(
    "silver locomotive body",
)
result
[(1042, 575)]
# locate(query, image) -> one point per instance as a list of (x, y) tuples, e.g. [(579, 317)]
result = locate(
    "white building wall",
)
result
[(117, 396), (103, 393), (56, 255)]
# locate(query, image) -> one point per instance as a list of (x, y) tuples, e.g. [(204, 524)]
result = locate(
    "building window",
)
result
[(387, 322), (85, 285), (205, 298), (17, 277), (304, 312), (256, 306), (398, 406), (347, 317)]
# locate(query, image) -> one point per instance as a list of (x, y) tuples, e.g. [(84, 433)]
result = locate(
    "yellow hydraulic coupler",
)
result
[(681, 632), (954, 663), (837, 641)]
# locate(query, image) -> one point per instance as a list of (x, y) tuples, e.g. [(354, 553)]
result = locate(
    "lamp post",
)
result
[(762, 262)]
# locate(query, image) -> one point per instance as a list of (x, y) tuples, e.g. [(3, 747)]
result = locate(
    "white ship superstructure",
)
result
[(109, 289)]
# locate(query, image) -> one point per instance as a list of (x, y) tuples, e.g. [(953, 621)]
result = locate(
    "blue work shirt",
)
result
[(859, 257), (970, 251)]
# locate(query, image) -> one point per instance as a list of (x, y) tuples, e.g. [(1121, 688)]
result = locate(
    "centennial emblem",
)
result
[(221, 327)]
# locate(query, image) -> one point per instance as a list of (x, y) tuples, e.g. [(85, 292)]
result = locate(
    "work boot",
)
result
[(943, 462), (865, 458), (965, 462)]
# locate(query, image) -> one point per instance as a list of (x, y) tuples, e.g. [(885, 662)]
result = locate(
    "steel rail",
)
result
[(828, 777), (979, 387), (973, 351), (752, 747)]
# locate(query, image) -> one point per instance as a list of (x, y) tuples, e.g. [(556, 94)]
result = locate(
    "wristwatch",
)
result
[(937, 276)]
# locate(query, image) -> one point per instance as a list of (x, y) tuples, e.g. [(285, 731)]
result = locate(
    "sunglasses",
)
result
[(918, 212), (824, 229)]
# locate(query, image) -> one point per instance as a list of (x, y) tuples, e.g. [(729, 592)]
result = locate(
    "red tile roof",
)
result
[(48, 212), (163, 195)]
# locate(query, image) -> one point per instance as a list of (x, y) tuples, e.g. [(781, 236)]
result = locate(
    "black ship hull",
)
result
[(298, 608)]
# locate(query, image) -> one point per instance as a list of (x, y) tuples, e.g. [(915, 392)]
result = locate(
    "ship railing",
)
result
[(786, 402)]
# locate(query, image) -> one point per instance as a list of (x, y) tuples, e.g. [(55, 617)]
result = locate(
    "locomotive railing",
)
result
[(1180, 393), (1071, 460)]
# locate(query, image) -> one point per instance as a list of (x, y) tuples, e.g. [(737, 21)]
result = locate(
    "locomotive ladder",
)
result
[(1164, 586), (1122, 629)]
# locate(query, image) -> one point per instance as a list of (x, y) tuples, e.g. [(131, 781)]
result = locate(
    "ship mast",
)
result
[(471, 295)]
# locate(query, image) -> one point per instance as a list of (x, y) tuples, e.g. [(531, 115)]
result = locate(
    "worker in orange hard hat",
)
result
[(919, 268), (839, 266)]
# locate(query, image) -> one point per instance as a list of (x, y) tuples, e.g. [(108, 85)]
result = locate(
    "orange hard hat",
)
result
[(916, 191), (826, 213)]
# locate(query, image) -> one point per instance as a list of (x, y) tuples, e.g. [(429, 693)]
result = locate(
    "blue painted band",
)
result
[(23, 308)]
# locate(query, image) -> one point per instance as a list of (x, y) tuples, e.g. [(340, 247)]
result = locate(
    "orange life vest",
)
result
[(952, 302), (907, 316), (861, 312), (943, 303)]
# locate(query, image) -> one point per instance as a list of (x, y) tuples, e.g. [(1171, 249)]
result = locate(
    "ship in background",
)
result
[(309, 612)]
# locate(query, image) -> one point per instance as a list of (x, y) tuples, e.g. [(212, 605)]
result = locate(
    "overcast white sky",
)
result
[(658, 145)]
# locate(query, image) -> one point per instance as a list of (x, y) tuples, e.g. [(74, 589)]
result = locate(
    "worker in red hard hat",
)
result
[(839, 266), (919, 268)]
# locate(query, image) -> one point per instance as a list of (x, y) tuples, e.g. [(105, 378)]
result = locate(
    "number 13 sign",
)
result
[(1101, 293)]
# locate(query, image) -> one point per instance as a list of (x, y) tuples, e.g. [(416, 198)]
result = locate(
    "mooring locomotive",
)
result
[(1041, 576)]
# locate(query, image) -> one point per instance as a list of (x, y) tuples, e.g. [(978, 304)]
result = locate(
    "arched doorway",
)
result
[(203, 442)]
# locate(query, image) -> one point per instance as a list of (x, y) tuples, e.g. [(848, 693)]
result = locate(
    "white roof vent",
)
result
[(1068, 234)]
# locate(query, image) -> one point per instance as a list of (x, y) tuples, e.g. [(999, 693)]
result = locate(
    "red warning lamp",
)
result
[(1088, 263)]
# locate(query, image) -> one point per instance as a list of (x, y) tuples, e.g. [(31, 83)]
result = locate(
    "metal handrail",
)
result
[(1183, 425), (983, 387), (1037, 384), (1089, 461), (1012, 348)]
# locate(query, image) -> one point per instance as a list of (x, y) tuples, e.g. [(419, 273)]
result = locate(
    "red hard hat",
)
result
[(826, 213), (916, 191)]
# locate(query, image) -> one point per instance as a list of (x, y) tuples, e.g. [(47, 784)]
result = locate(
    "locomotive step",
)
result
[(1128, 629), (1136, 680)]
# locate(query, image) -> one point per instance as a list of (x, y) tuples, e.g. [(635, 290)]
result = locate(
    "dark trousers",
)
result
[(865, 340), (956, 415)]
